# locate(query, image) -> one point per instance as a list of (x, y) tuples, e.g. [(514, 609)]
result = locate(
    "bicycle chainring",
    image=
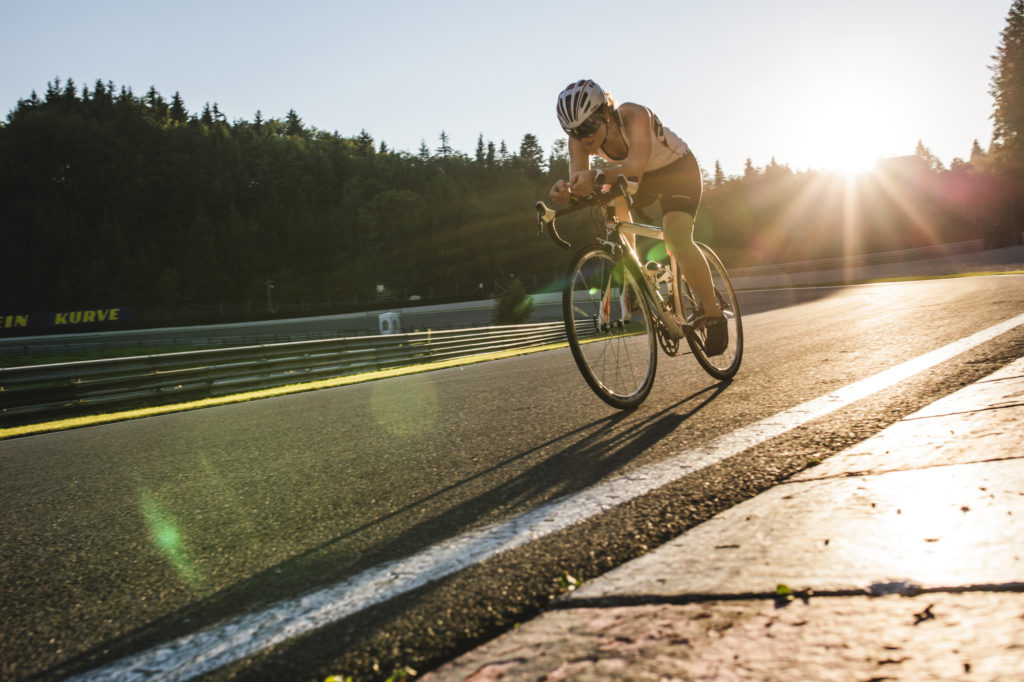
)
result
[(668, 344)]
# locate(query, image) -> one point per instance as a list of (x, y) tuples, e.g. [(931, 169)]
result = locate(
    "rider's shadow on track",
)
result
[(563, 466), (583, 458)]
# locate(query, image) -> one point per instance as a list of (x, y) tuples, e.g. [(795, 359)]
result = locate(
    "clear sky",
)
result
[(812, 83)]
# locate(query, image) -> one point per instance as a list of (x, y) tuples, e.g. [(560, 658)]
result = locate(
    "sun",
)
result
[(845, 129)]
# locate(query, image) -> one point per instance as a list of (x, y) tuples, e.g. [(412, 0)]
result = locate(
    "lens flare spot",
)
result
[(166, 536), (405, 409), (657, 252)]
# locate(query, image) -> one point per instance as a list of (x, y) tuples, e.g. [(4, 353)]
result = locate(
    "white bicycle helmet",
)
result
[(578, 102)]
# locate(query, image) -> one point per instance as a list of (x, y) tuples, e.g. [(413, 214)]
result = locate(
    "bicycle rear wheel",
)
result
[(610, 331), (727, 364)]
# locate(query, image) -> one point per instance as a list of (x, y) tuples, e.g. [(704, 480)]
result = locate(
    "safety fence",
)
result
[(860, 260), (34, 393)]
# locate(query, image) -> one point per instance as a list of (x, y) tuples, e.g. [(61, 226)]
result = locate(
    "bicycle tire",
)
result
[(726, 365), (616, 351)]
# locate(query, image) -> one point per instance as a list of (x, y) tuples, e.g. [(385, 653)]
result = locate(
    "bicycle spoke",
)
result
[(612, 339)]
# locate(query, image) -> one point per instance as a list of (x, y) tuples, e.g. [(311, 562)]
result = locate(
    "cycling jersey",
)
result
[(666, 147)]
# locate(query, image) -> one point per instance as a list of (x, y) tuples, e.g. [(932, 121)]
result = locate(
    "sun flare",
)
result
[(846, 129)]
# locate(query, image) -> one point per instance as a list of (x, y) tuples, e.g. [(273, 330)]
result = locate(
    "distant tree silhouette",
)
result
[(108, 199), (719, 175)]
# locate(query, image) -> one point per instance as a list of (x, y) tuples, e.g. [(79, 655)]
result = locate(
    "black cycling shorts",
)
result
[(676, 187)]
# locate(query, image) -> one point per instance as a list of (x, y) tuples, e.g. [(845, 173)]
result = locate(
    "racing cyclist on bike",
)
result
[(634, 141)]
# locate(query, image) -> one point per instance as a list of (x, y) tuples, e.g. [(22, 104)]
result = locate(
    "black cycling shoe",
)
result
[(718, 336)]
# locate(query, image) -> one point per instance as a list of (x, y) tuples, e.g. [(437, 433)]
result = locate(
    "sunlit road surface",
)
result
[(377, 504)]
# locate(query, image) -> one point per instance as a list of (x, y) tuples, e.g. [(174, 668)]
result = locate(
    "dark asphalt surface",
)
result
[(118, 537)]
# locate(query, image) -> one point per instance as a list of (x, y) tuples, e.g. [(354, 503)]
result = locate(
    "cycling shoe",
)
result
[(718, 336)]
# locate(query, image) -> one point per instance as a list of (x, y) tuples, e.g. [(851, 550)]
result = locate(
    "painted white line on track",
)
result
[(244, 636)]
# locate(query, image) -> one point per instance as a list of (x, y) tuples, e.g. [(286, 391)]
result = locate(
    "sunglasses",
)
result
[(587, 128)]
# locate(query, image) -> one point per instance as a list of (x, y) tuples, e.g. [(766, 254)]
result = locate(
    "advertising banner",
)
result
[(69, 319)]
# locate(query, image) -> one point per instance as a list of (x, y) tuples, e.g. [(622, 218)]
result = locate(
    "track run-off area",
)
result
[(358, 529)]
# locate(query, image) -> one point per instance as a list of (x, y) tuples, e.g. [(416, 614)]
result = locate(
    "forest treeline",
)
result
[(113, 199)]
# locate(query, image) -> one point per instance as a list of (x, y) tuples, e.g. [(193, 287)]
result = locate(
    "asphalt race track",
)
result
[(381, 503)]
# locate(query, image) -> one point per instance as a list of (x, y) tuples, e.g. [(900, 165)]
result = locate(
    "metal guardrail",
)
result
[(69, 389), (882, 258)]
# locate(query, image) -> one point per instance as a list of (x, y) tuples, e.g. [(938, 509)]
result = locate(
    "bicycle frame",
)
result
[(631, 262), (615, 313), (614, 239)]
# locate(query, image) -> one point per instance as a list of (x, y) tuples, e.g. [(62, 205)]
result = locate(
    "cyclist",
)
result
[(631, 138)]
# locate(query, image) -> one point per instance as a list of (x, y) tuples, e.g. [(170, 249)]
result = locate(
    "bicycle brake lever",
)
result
[(546, 221), (545, 216)]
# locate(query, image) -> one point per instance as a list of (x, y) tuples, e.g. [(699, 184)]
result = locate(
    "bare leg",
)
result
[(679, 240), (624, 216)]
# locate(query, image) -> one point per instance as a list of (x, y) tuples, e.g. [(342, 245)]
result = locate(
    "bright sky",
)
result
[(814, 84)]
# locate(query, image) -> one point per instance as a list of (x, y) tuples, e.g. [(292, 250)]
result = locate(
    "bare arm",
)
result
[(579, 157), (579, 166), (636, 121)]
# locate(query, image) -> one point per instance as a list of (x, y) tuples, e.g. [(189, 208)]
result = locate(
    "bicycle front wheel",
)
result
[(610, 331), (726, 364)]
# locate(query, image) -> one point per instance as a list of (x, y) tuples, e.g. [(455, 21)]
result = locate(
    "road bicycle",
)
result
[(618, 309)]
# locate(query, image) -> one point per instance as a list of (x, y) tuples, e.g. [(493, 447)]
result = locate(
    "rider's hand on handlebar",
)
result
[(560, 192), (582, 182)]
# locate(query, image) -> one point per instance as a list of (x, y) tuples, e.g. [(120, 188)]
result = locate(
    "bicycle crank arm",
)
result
[(654, 305), (676, 331)]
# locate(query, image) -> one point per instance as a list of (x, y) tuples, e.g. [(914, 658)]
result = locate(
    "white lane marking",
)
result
[(204, 651)]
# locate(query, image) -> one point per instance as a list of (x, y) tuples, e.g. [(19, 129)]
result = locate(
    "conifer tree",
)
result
[(977, 155), (1007, 88), (922, 152), (480, 150), (100, 92), (364, 143), (749, 171), (177, 112), (293, 125), (156, 103), (531, 153), (445, 150)]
